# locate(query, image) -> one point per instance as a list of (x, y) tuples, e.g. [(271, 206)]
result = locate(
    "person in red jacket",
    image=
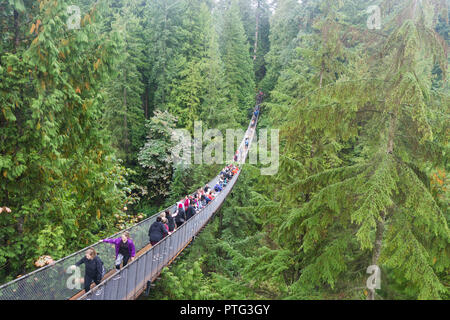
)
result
[(186, 202)]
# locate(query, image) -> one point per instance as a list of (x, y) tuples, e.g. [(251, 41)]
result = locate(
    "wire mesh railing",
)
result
[(130, 281), (53, 282)]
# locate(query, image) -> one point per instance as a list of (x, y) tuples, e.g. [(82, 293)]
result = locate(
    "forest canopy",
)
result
[(92, 91)]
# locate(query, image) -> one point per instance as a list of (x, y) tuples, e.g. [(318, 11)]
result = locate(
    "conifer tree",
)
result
[(156, 155), (124, 114), (51, 77), (284, 25), (375, 206), (237, 62)]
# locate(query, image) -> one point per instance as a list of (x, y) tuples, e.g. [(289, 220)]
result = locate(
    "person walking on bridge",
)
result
[(190, 210), (157, 231), (125, 249), (186, 202), (179, 215), (259, 97), (170, 221), (94, 271)]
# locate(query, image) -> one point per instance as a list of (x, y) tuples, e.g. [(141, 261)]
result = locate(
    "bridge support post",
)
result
[(147, 290)]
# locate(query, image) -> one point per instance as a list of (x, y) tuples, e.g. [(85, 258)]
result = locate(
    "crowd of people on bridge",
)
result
[(186, 208)]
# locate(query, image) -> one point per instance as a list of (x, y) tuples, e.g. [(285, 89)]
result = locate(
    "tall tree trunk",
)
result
[(146, 97), (377, 249), (380, 223), (255, 49), (164, 53), (125, 120), (321, 74), (16, 30)]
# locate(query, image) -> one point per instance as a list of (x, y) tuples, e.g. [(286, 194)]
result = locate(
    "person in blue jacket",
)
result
[(217, 187), (157, 231)]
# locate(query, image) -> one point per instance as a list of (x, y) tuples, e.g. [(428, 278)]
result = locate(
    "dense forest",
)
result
[(90, 99)]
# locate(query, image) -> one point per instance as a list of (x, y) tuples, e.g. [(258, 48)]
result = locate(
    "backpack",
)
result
[(103, 267)]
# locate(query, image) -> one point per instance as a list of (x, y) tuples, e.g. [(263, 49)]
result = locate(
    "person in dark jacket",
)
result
[(157, 231), (190, 210), (94, 268), (180, 216), (170, 221)]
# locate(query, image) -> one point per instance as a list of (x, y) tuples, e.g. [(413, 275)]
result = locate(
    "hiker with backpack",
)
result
[(179, 215), (95, 271), (125, 249), (190, 210)]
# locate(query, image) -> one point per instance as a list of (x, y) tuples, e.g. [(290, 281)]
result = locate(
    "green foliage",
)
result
[(51, 239), (87, 117), (358, 131), (124, 114), (188, 284)]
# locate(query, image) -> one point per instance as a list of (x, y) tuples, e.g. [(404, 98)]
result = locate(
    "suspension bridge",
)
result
[(56, 281)]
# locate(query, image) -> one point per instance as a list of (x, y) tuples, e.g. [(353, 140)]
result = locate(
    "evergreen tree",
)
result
[(55, 160), (162, 32), (156, 155), (124, 114), (284, 27), (373, 207)]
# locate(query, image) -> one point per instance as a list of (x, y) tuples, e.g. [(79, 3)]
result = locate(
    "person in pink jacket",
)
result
[(186, 202)]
